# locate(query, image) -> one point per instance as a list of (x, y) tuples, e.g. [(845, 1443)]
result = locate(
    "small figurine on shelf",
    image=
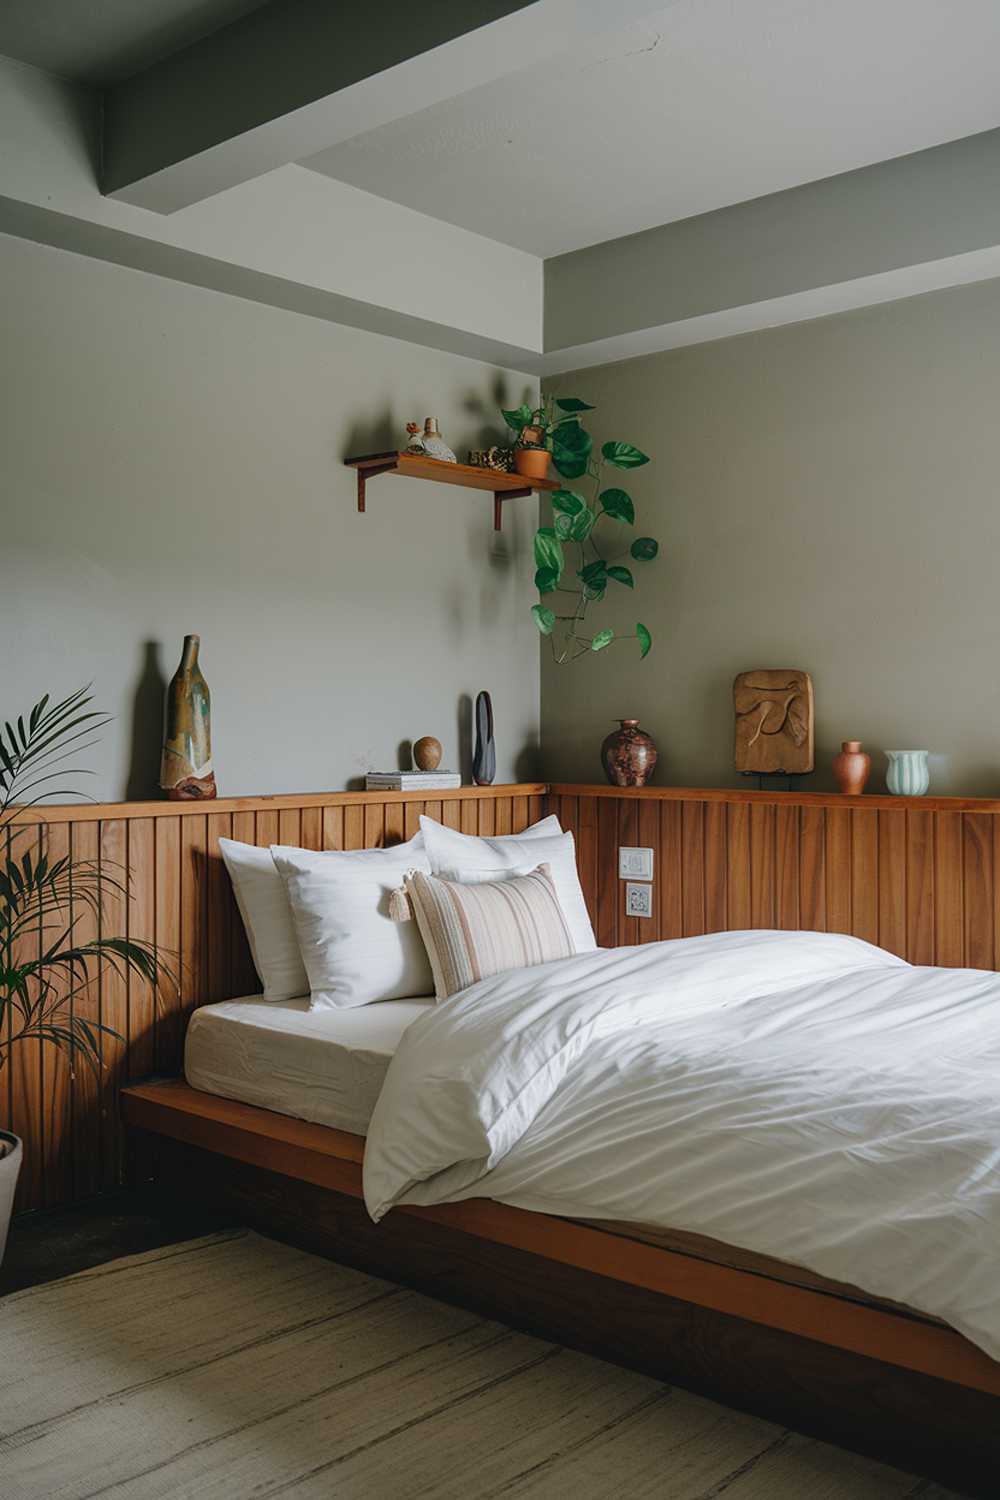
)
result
[(434, 444), (415, 442)]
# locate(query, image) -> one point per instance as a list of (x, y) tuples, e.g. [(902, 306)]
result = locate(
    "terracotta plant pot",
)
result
[(532, 463), (10, 1165), (628, 755), (851, 768)]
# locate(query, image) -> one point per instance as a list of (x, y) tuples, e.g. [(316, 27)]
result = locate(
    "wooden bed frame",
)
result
[(916, 874)]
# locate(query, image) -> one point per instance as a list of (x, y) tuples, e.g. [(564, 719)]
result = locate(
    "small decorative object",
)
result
[(434, 444), (851, 768), (500, 460), (427, 753), (908, 775), (415, 442), (629, 755), (484, 757), (186, 772), (557, 427), (774, 722)]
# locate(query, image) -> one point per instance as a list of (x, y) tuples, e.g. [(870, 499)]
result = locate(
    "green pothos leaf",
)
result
[(621, 575), (601, 639), (624, 455), (567, 502), (544, 618), (618, 505), (644, 548), (645, 641)]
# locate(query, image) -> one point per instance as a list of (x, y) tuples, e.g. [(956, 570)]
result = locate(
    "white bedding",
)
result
[(326, 1066), (801, 1095)]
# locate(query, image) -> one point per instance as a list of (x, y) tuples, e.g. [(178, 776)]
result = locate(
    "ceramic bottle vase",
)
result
[(484, 757), (628, 755), (907, 775), (851, 768), (186, 772)]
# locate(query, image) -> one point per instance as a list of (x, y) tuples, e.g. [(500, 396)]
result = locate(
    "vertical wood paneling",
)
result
[(354, 828), (738, 859), (949, 897), (168, 939), (114, 992), (606, 925), (864, 874), (693, 860), (411, 819), (27, 1114), (762, 865), (312, 828), (267, 828), (920, 887), (451, 815), (788, 874), (671, 863), (142, 928), (892, 881), (648, 835), (977, 843), (218, 907), (434, 810), (716, 860), (290, 827), (812, 869), (838, 869), (536, 810), (486, 811), (85, 848), (374, 826), (586, 852), (56, 1089), (393, 823), (333, 828), (469, 818)]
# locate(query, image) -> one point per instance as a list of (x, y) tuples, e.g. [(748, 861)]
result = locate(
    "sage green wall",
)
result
[(826, 496), (171, 462)]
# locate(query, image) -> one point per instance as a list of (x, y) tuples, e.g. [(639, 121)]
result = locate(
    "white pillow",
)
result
[(461, 856), (267, 917), (354, 953)]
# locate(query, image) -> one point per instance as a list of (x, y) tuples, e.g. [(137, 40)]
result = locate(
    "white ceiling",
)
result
[(102, 41), (708, 103)]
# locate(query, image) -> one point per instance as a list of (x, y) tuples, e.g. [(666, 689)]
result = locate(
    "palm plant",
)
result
[(44, 963)]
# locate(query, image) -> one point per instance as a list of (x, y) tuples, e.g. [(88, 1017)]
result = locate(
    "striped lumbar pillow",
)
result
[(472, 931)]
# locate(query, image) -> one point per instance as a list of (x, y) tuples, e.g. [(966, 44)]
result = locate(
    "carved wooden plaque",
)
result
[(774, 722)]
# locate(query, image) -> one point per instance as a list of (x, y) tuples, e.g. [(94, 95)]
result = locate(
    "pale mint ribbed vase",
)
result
[(907, 775)]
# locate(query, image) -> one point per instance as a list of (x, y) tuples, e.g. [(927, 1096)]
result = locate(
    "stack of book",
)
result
[(412, 781)]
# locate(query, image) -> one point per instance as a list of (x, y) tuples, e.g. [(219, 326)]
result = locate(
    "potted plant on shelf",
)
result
[(551, 429), (44, 963), (586, 552)]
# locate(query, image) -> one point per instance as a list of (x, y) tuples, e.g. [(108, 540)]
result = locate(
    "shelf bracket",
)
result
[(499, 496), (367, 473)]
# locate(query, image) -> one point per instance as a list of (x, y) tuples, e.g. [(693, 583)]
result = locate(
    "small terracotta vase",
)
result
[(532, 463), (628, 755), (851, 768)]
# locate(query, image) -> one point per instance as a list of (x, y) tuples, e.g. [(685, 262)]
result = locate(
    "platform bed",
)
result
[(806, 1353)]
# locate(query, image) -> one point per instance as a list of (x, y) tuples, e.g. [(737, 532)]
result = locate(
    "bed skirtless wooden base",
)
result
[(885, 1381)]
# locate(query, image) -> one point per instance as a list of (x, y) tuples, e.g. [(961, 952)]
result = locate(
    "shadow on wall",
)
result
[(146, 736)]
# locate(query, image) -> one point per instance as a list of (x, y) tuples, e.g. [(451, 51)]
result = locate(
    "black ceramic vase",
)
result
[(484, 757)]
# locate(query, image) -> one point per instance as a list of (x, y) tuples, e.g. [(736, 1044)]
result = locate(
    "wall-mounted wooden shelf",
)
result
[(502, 486)]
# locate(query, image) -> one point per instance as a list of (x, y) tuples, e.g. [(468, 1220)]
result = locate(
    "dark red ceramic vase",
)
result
[(629, 755)]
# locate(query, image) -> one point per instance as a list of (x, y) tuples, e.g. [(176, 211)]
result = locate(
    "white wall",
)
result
[(172, 462)]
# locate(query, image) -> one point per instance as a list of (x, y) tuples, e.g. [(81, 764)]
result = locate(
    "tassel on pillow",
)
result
[(400, 906)]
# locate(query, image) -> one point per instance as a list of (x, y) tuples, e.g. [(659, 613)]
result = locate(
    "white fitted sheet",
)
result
[(326, 1066)]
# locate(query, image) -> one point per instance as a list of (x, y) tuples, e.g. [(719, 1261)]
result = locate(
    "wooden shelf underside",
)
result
[(413, 466)]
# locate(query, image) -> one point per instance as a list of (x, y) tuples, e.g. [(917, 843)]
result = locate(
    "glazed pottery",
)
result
[(427, 753), (907, 775), (484, 757), (434, 444), (628, 755), (851, 768), (532, 463), (186, 768), (10, 1166)]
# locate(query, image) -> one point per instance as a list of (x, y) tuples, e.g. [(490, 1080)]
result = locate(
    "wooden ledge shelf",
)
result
[(415, 466)]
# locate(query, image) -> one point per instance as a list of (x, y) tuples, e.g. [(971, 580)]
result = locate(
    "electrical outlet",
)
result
[(638, 900), (637, 863)]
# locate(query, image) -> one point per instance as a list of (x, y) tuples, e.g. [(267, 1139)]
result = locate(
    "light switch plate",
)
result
[(636, 864), (638, 900)]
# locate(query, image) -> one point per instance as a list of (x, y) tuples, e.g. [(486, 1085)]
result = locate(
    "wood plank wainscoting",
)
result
[(919, 876), (180, 898)]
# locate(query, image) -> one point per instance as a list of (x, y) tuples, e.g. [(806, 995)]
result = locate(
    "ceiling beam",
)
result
[(297, 76)]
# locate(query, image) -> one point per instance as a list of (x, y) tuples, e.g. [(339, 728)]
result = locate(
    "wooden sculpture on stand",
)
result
[(774, 722)]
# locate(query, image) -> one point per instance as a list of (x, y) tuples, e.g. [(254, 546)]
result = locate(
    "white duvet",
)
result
[(802, 1095)]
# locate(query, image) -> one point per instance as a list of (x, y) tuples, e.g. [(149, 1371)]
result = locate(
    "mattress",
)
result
[(325, 1066)]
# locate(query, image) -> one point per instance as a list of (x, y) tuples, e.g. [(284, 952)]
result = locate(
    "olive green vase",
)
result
[(186, 772)]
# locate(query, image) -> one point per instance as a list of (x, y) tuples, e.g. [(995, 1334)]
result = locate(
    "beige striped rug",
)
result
[(233, 1367)]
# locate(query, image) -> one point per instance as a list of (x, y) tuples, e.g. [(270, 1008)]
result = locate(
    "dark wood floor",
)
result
[(58, 1242)]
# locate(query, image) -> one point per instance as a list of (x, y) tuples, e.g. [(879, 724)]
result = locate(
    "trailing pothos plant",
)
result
[(579, 557), (45, 962)]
